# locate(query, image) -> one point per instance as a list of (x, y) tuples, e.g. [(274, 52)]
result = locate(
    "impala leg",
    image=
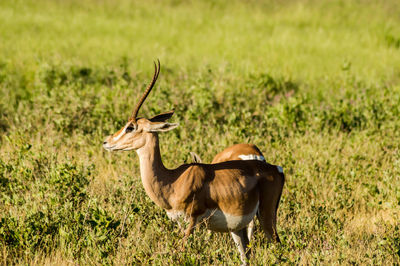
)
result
[(267, 211), (241, 241), (190, 228), (250, 230), (267, 218), (188, 231)]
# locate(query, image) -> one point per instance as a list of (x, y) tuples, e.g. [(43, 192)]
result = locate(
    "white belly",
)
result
[(176, 215), (217, 220)]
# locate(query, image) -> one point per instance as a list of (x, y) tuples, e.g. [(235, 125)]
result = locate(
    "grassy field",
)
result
[(314, 84)]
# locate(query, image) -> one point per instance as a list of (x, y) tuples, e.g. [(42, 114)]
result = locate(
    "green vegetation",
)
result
[(314, 84)]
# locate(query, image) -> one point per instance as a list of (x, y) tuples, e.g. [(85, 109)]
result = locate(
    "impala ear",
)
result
[(162, 117), (160, 127)]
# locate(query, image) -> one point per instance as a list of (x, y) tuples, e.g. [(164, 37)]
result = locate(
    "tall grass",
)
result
[(314, 84)]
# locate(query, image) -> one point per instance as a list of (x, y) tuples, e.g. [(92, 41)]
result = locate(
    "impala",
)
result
[(224, 196), (238, 152)]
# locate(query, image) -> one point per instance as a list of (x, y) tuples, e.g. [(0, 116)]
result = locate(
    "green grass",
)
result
[(314, 84)]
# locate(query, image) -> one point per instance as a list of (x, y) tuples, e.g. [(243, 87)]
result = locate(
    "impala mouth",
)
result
[(108, 147), (115, 148)]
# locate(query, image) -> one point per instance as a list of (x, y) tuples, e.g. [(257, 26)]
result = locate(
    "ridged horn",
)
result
[(157, 68)]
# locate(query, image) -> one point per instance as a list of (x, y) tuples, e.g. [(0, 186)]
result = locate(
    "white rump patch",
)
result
[(245, 157), (280, 169)]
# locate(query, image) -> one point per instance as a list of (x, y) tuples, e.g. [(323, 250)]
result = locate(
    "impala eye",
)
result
[(129, 129)]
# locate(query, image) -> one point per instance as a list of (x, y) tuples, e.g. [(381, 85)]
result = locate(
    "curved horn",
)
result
[(147, 91)]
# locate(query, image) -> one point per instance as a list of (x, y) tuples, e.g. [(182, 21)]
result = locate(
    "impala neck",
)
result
[(156, 178)]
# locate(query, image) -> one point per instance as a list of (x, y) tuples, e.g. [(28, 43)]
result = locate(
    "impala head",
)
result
[(135, 132)]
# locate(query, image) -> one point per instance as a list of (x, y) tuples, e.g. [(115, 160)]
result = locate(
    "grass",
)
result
[(314, 84)]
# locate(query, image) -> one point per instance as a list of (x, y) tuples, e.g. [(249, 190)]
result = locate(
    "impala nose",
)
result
[(106, 146)]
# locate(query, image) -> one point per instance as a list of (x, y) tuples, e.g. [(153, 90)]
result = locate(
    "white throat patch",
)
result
[(251, 157)]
